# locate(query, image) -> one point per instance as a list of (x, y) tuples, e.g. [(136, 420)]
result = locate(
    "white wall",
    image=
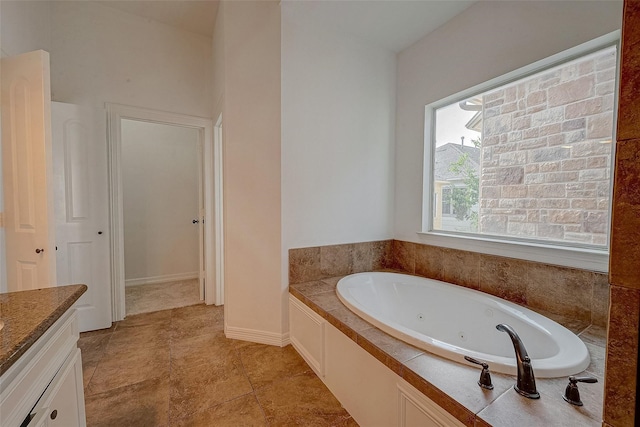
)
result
[(338, 117), (25, 26), (100, 54), (485, 41), (160, 200), (252, 208)]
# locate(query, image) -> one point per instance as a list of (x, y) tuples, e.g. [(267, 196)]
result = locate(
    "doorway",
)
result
[(161, 239), (161, 202)]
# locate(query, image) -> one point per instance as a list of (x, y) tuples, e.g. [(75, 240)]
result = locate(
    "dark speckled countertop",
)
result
[(28, 314)]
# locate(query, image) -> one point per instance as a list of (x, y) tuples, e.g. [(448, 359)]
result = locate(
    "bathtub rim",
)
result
[(543, 368)]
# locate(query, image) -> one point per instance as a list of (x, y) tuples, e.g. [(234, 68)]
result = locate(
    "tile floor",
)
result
[(176, 368), (161, 296)]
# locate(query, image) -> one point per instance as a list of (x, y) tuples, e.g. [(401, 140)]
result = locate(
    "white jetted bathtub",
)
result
[(452, 322)]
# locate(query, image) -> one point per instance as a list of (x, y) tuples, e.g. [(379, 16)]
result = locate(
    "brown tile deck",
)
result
[(176, 368)]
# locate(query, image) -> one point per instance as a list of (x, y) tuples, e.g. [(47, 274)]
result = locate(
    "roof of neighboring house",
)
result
[(450, 153)]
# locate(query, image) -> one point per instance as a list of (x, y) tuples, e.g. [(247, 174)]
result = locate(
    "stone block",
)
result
[(490, 192), (586, 67), (551, 203), (606, 75), (524, 229), (583, 108), (557, 139), (550, 166), (497, 125), (575, 136), (590, 149), (513, 158), (593, 175), (572, 91), (547, 191), (534, 178), (598, 162), (574, 124), (550, 129), (596, 222), (584, 204), (548, 154), (571, 216), (605, 88), (548, 116), (561, 176), (533, 143), (600, 126), (521, 123), (510, 94), (531, 168), (493, 224), (492, 96), (531, 133), (508, 108), (514, 191), (510, 175), (552, 231), (536, 98), (573, 164)]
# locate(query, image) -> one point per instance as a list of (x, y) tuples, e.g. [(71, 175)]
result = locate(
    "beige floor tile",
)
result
[(127, 367), (302, 400), (202, 386), (138, 405), (157, 318), (214, 350), (196, 320), (161, 296), (265, 363), (243, 411)]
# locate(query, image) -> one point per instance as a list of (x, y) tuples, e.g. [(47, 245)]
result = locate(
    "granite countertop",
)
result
[(28, 314), (453, 386)]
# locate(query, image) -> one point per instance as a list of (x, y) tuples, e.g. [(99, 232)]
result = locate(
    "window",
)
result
[(527, 157)]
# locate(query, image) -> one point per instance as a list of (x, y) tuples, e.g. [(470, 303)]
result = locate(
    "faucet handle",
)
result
[(571, 393), (485, 375)]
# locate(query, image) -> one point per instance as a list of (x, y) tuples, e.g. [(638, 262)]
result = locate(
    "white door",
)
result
[(26, 164), (82, 209)]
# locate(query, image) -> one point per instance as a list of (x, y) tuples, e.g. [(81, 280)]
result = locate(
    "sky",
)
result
[(450, 123)]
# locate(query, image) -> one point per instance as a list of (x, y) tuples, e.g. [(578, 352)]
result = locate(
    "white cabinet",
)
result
[(373, 394), (45, 384)]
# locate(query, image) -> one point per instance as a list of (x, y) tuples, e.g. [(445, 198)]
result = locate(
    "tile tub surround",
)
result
[(578, 294), (28, 314), (452, 385)]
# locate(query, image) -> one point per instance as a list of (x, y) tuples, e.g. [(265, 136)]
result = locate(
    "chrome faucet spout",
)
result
[(526, 382)]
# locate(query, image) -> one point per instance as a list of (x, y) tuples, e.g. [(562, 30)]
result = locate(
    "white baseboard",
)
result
[(161, 279), (253, 335)]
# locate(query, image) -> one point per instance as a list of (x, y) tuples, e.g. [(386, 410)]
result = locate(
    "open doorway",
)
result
[(163, 203)]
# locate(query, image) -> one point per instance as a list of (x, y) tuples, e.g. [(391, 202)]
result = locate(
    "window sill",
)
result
[(586, 259)]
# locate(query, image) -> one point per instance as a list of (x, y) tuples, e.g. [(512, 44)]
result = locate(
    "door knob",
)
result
[(39, 250), (195, 221)]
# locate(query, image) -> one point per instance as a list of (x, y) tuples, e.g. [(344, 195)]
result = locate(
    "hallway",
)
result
[(176, 368)]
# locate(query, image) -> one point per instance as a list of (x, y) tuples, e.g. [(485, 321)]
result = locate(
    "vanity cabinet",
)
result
[(371, 392), (44, 387)]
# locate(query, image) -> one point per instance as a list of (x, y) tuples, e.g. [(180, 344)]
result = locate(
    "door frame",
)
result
[(212, 196)]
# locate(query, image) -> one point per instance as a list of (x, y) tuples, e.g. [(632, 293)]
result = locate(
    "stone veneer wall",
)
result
[(571, 293), (545, 171), (620, 391)]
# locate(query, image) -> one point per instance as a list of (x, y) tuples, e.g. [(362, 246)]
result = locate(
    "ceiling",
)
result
[(394, 24), (197, 16)]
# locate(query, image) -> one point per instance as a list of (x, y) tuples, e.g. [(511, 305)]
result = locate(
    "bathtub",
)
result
[(452, 321)]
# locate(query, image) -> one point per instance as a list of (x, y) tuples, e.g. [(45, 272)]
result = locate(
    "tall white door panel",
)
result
[(26, 164), (81, 209)]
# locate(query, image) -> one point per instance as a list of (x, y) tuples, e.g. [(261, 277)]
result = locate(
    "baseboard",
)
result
[(161, 279), (253, 335)]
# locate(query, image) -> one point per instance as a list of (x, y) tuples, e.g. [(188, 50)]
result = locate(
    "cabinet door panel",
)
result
[(64, 398)]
